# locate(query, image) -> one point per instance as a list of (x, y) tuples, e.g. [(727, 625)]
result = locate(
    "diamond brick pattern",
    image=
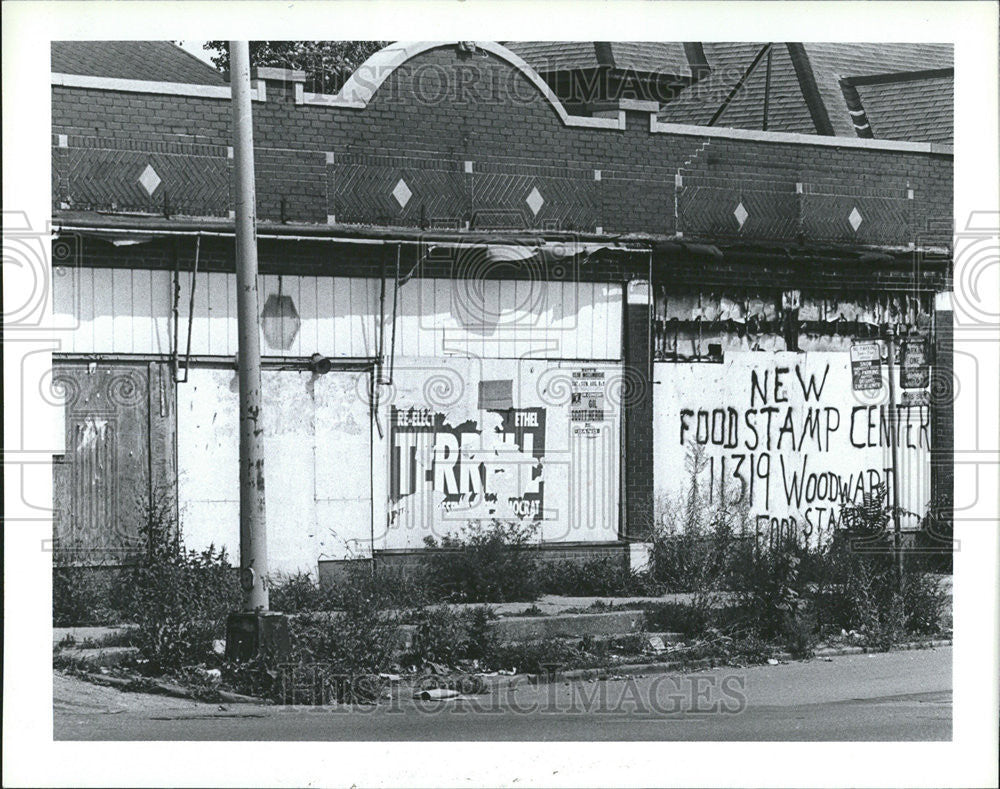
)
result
[(102, 178), (149, 180), (535, 201), (741, 214), (650, 183), (855, 219), (402, 193), (706, 211), (363, 191)]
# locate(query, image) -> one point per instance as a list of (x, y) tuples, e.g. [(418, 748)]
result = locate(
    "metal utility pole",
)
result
[(897, 534), (253, 524)]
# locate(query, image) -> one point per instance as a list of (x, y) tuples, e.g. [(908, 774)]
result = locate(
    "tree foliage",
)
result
[(327, 64)]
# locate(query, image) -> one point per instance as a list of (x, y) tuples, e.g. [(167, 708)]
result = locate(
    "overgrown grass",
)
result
[(451, 638), (491, 562), (744, 600), (604, 576)]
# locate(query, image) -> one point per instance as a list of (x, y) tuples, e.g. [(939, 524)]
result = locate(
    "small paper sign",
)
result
[(866, 366), (587, 396), (914, 372)]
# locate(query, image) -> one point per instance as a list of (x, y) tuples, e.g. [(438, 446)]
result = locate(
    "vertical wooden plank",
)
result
[(342, 316), (233, 311), (417, 339), (293, 289), (491, 331), (563, 327), (406, 335), (599, 320), (531, 303), (611, 324), (83, 333), (517, 332), (506, 326), (309, 331), (267, 286), (455, 337), (218, 312), (183, 300), (537, 308), (575, 292), (103, 312), (162, 437), (584, 329), (200, 327), (161, 303), (359, 313), (371, 323), (431, 339), (121, 310), (325, 343), (142, 311), (357, 296), (65, 297), (89, 312), (555, 338)]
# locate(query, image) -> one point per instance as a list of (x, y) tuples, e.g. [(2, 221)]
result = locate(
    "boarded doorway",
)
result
[(118, 459)]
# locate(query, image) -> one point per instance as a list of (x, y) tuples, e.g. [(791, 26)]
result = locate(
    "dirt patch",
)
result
[(72, 694)]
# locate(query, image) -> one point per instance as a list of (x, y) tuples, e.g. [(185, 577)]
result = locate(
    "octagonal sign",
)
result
[(280, 321)]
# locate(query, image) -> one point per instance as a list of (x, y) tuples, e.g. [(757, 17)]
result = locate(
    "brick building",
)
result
[(476, 304)]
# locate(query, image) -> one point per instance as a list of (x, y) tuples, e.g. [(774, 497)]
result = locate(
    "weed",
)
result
[(294, 593), (608, 576), (492, 562), (179, 598), (449, 637), (545, 657), (83, 596)]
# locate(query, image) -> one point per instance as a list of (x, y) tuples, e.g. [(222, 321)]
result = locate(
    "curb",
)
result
[(630, 669), (498, 682), (168, 689)]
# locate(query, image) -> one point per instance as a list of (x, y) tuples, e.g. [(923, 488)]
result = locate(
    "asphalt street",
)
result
[(884, 697)]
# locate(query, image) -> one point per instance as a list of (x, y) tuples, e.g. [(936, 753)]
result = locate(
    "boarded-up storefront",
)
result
[(530, 441), (317, 443), (792, 405), (117, 467)]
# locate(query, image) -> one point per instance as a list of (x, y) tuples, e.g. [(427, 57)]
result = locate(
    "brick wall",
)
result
[(437, 112), (411, 561), (637, 404)]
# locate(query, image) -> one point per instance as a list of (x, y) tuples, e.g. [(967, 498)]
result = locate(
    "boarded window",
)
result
[(496, 395)]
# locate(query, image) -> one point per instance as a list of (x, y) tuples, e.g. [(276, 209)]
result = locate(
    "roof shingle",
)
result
[(156, 61), (910, 110), (657, 57)]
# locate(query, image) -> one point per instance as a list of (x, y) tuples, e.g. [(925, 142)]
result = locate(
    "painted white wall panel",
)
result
[(131, 311), (317, 455), (788, 454), (449, 461)]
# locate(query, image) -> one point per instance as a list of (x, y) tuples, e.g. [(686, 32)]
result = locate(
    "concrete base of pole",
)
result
[(250, 634)]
